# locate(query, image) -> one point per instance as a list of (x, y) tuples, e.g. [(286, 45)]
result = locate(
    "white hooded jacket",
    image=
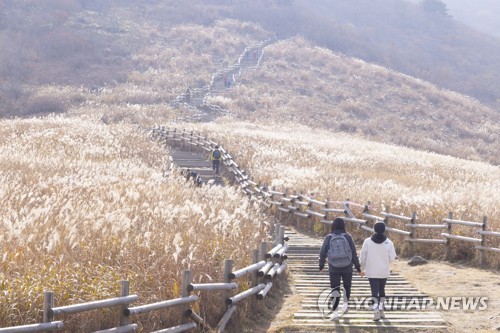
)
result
[(375, 258)]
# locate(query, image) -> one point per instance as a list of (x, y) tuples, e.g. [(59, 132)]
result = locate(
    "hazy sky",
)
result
[(483, 15)]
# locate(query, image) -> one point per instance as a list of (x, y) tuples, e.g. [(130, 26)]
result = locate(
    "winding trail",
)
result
[(409, 313), (306, 281)]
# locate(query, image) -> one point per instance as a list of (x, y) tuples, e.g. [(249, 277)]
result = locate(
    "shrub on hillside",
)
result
[(43, 105)]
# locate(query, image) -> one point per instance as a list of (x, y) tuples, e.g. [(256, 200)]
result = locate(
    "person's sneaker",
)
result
[(376, 315), (334, 316), (381, 312)]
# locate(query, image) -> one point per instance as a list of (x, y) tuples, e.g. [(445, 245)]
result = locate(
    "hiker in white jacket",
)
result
[(376, 256)]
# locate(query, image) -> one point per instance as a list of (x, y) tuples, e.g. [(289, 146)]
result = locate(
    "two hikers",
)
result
[(376, 255)]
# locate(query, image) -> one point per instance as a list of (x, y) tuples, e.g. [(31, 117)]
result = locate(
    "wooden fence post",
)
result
[(447, 245), (186, 281), (276, 240), (386, 219), (483, 241), (412, 234), (124, 291), (48, 304), (228, 269), (327, 217), (281, 235), (255, 276), (263, 250)]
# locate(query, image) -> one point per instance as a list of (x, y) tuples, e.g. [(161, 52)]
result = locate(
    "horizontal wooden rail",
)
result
[(178, 329), (398, 217), (263, 271), (364, 227), (89, 306), (212, 286), (467, 223), (248, 269), (245, 294), (462, 238), (301, 214), (398, 231), (55, 325), (270, 274), (264, 291), (281, 252), (333, 210), (313, 213), (426, 240), (426, 226), (121, 329), (159, 305), (273, 251), (489, 233), (354, 220), (372, 217), (491, 249)]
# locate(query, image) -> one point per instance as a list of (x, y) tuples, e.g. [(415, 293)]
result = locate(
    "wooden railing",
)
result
[(305, 211), (265, 268)]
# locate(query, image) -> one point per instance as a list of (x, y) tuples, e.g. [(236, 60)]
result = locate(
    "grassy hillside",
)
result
[(309, 85), (408, 37), (85, 205)]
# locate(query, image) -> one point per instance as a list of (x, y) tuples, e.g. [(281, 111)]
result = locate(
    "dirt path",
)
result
[(441, 279)]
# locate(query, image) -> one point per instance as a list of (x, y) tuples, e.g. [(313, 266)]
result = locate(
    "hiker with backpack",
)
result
[(215, 156), (377, 253), (339, 249)]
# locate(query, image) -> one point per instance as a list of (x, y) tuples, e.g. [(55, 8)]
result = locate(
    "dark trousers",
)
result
[(335, 285), (215, 166), (377, 287)]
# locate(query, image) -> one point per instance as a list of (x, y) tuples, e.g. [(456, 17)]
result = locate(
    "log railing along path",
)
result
[(408, 303)]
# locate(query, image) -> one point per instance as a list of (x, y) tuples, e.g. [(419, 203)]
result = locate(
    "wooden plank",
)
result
[(462, 238), (466, 223)]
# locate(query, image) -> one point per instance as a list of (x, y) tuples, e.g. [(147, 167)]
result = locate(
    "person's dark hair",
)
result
[(378, 235), (379, 227), (338, 224)]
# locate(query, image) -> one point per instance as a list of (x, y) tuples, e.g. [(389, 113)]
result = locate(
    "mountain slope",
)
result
[(313, 86)]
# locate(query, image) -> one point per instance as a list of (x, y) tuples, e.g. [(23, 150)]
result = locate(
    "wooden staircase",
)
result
[(195, 99), (303, 253), (196, 162)]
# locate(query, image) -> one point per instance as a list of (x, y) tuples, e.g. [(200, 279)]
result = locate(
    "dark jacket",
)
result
[(326, 246)]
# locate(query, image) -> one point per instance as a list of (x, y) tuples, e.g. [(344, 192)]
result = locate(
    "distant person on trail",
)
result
[(377, 253), (339, 249), (190, 174), (215, 156)]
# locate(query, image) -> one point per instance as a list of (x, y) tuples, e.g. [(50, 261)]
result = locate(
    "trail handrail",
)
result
[(300, 208)]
